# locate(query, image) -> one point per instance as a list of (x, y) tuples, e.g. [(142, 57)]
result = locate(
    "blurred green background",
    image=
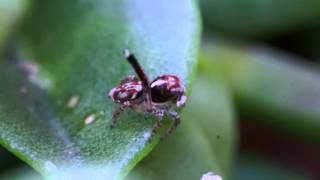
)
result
[(254, 105)]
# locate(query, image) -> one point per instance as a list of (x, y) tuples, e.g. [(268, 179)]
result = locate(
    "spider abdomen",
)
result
[(126, 92)]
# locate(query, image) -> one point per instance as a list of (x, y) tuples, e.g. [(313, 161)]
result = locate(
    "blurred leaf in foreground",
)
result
[(271, 85), (53, 107), (10, 12)]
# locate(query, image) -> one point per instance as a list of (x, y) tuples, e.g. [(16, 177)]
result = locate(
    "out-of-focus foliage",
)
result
[(10, 12), (271, 85), (254, 166), (258, 18)]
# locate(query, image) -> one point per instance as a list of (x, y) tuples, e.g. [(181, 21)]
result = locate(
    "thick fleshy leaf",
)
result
[(203, 143), (10, 12), (255, 166), (256, 18), (7, 160), (21, 173), (283, 92), (54, 110)]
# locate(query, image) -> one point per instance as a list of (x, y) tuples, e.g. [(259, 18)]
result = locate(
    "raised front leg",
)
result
[(116, 114)]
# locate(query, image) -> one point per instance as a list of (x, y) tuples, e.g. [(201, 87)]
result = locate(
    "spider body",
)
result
[(168, 89), (128, 92), (160, 97)]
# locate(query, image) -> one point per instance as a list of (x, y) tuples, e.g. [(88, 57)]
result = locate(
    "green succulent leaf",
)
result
[(53, 107), (255, 166), (271, 86), (21, 173), (256, 18), (10, 12), (203, 143)]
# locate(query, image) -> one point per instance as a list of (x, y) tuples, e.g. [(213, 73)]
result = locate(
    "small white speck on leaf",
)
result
[(89, 119), (211, 176), (73, 101), (146, 135)]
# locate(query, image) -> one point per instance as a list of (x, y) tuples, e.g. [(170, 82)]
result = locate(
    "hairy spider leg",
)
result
[(176, 121), (116, 114), (159, 114)]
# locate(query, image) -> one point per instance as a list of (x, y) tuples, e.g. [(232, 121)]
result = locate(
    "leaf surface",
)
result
[(53, 106), (275, 88)]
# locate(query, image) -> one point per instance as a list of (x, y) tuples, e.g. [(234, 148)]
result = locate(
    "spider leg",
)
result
[(181, 101), (159, 114), (116, 114), (143, 77), (176, 121)]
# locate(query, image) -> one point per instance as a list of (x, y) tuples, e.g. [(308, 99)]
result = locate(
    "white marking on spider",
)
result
[(111, 93), (134, 96), (158, 83), (175, 89), (122, 95), (138, 88), (171, 79)]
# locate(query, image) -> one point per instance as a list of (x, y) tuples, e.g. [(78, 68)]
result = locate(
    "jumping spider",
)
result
[(160, 97)]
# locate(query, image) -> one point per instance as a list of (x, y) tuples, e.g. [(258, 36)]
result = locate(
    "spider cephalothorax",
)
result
[(168, 89), (160, 97)]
